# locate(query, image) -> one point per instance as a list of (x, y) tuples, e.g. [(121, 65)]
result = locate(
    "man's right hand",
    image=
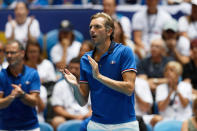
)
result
[(69, 77)]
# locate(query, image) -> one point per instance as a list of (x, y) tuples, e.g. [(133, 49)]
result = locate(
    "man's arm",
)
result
[(59, 110), (81, 92), (126, 86), (5, 102)]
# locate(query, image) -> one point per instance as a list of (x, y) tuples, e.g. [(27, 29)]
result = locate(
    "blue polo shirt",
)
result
[(110, 106), (18, 116)]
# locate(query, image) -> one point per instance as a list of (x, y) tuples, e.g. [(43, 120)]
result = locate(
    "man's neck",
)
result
[(156, 59), (101, 49), (16, 70), (152, 11)]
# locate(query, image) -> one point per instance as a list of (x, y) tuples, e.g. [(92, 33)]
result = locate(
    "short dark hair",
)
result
[(20, 46)]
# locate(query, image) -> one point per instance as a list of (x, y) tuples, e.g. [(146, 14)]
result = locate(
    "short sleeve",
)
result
[(83, 78), (127, 60), (57, 98), (183, 24), (137, 21), (8, 30), (142, 89), (35, 29), (56, 53), (185, 89), (161, 92), (35, 83)]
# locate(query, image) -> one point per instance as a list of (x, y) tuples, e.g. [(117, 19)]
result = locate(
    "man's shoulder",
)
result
[(29, 70)]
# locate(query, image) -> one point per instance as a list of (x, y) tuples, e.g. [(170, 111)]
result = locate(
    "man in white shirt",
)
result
[(22, 27), (148, 24)]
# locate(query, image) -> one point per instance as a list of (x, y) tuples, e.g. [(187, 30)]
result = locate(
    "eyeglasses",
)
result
[(11, 52)]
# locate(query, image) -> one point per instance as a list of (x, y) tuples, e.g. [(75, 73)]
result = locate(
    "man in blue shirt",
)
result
[(108, 73), (19, 92)]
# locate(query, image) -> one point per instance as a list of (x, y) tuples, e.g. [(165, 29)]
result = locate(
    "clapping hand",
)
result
[(17, 91)]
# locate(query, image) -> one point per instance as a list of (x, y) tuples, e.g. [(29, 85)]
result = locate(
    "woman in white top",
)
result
[(188, 24), (174, 97), (33, 58)]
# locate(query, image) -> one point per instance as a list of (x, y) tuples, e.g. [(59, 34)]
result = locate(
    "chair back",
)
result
[(171, 125), (45, 126), (71, 125)]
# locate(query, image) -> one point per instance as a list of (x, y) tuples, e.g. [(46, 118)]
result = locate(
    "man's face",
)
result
[(152, 3), (13, 54), (74, 68), (109, 7), (21, 13), (98, 32), (156, 48)]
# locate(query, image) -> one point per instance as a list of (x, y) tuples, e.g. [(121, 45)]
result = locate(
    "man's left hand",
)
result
[(95, 69)]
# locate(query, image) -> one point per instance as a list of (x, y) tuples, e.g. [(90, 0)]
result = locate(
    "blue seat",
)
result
[(51, 40), (71, 125), (149, 127), (45, 126), (171, 125), (41, 41)]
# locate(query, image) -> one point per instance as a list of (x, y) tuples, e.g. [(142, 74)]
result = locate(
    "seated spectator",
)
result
[(152, 67), (148, 24), (3, 62), (178, 47), (190, 69), (64, 104), (109, 7), (174, 97), (22, 28), (33, 58), (188, 24), (143, 103), (86, 46), (191, 123), (67, 48)]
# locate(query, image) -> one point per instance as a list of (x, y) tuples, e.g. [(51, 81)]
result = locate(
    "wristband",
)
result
[(22, 95)]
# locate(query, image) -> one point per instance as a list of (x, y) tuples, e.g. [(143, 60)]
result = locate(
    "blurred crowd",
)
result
[(165, 52)]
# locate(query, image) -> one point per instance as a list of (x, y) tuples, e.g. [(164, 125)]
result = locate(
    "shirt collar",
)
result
[(110, 50), (22, 73)]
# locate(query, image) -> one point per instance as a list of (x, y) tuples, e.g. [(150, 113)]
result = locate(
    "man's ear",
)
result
[(109, 31)]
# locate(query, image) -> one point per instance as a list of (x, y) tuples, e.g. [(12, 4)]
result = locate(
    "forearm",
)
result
[(62, 112), (5, 102), (181, 58), (41, 105), (163, 104), (184, 101), (79, 95), (125, 87), (30, 99)]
